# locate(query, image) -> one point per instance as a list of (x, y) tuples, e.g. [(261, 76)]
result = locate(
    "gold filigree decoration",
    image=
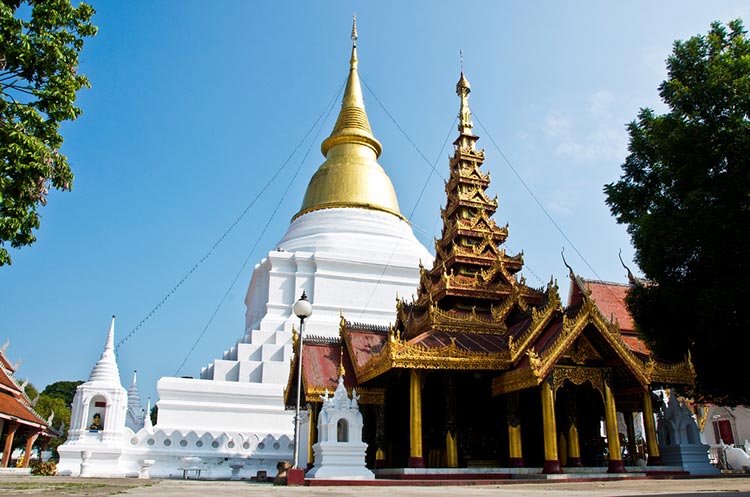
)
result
[(573, 327), (681, 373), (539, 320), (366, 395), (513, 381), (582, 350), (577, 376), (400, 353)]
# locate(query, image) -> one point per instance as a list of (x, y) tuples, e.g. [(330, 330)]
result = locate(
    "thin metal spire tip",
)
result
[(354, 30), (461, 59)]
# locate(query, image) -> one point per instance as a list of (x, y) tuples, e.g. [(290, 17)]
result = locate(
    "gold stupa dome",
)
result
[(351, 177)]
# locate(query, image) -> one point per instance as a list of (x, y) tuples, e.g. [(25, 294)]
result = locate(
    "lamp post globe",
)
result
[(302, 309)]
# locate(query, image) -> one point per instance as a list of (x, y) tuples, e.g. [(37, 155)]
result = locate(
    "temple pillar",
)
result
[(551, 460), (379, 436), (654, 458), (415, 420), (630, 426), (616, 464), (12, 427), (312, 433), (29, 445), (574, 444), (574, 447), (514, 431), (451, 442)]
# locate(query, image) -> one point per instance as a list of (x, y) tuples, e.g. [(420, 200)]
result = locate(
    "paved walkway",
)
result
[(98, 487)]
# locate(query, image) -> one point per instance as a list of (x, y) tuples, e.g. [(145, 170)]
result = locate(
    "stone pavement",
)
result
[(99, 487)]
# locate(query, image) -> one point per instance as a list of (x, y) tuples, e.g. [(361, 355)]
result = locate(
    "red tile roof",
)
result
[(14, 404), (610, 298)]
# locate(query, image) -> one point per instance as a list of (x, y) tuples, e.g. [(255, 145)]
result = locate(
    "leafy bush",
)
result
[(43, 468)]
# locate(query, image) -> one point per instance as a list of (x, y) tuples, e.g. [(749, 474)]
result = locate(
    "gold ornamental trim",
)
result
[(366, 395), (349, 205), (681, 373), (578, 376), (573, 327), (400, 354), (539, 320), (513, 381)]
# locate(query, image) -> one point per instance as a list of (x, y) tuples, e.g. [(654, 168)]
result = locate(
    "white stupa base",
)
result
[(691, 457), (340, 461)]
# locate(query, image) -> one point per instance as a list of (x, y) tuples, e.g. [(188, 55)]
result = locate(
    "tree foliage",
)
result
[(685, 197), (39, 45), (64, 390)]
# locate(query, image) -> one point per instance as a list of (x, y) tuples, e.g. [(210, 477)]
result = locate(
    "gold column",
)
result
[(613, 436), (312, 434), (451, 450), (551, 461), (574, 446), (654, 458), (515, 447), (415, 420)]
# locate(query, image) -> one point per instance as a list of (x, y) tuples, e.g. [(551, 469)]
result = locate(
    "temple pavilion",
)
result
[(20, 424), (482, 370)]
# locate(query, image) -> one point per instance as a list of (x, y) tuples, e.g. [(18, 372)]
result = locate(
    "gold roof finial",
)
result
[(342, 369), (463, 88)]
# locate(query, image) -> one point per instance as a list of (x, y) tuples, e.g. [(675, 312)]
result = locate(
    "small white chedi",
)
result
[(340, 451), (350, 249), (97, 420), (679, 438)]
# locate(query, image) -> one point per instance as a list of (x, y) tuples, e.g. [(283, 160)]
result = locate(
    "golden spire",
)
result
[(351, 176), (463, 88)]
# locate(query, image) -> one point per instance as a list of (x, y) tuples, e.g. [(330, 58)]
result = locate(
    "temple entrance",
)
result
[(583, 406)]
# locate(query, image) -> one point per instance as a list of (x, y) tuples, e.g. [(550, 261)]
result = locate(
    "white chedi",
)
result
[(340, 451), (97, 420), (135, 415)]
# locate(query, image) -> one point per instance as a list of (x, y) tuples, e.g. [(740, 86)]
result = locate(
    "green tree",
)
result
[(39, 45), (685, 198), (31, 391), (64, 390), (46, 406)]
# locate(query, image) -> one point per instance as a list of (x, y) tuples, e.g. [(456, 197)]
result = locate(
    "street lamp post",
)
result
[(302, 309)]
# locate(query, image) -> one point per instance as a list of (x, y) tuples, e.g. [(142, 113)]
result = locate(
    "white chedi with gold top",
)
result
[(350, 249)]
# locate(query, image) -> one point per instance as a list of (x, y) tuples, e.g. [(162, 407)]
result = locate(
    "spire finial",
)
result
[(354, 30), (342, 369), (463, 88)]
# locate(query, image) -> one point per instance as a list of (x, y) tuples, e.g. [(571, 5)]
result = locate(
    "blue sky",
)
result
[(196, 105)]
